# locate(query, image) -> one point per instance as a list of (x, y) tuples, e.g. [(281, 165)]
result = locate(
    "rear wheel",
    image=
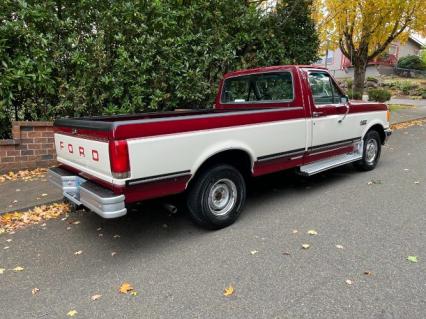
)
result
[(371, 152), (216, 197)]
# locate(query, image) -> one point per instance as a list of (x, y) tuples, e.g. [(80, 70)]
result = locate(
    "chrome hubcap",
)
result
[(371, 151), (222, 197)]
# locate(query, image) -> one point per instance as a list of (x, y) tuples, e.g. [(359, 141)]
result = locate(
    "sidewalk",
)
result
[(401, 115), (20, 194)]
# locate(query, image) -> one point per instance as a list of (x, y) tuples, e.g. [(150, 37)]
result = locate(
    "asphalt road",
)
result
[(180, 271)]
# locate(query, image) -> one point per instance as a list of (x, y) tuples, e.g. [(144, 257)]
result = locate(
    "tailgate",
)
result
[(88, 155)]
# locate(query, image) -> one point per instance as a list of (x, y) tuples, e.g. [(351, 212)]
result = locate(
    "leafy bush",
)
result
[(354, 95), (406, 86), (372, 79), (424, 95), (413, 62), (73, 58), (379, 95)]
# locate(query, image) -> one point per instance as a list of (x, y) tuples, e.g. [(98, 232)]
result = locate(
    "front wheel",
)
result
[(216, 197), (371, 152)]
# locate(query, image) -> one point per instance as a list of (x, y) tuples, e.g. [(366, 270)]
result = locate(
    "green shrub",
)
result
[(379, 95), (372, 79), (412, 62), (424, 94), (354, 95), (74, 58)]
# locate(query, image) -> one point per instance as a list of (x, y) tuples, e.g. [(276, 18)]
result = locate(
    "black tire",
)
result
[(211, 188), (372, 144)]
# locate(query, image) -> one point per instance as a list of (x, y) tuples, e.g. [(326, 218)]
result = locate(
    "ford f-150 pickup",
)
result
[(264, 120)]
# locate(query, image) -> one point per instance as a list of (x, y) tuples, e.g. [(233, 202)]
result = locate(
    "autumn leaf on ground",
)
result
[(25, 175), (76, 222), (229, 291), (72, 313), (349, 282), (6, 247), (340, 247), (2, 271), (78, 252), (368, 273), (306, 246), (254, 252), (295, 231), (125, 288), (34, 291), (95, 297), (134, 293), (18, 268), (113, 253), (312, 232), (412, 259), (43, 195), (16, 220)]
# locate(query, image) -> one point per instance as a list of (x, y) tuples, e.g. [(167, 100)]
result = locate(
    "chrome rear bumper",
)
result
[(82, 192)]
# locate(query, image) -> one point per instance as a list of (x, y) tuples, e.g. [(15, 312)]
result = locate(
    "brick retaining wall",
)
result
[(32, 146)]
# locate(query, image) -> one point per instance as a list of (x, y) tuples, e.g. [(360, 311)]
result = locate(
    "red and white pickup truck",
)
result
[(264, 120)]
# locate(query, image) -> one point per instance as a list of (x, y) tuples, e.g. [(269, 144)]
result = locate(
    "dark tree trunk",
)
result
[(360, 67)]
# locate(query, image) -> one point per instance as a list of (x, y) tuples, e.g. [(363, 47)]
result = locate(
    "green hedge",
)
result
[(73, 58), (379, 95)]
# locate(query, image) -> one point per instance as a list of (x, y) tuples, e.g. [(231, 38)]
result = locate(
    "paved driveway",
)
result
[(180, 271)]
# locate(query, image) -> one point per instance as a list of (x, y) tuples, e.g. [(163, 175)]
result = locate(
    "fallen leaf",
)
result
[(76, 222), (68, 228), (412, 259), (18, 268), (43, 225), (9, 240), (34, 291), (340, 247), (229, 291), (254, 252), (134, 293), (6, 247), (295, 231), (72, 313), (368, 273), (116, 236), (416, 182), (286, 253), (99, 228), (2, 231), (113, 253), (312, 232), (349, 282), (306, 246), (2, 271), (43, 195), (125, 288), (95, 297), (15, 201), (78, 252)]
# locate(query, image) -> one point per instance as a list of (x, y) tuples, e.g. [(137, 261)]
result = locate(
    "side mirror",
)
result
[(344, 99)]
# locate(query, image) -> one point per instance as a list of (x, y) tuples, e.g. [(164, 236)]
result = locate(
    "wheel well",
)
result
[(379, 129), (240, 159)]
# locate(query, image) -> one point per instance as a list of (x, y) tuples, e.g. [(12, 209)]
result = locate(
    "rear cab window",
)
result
[(259, 88)]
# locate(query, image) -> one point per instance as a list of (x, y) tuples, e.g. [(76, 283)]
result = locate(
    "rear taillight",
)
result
[(119, 158)]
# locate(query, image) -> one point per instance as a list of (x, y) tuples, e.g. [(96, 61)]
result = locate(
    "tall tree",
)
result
[(363, 29)]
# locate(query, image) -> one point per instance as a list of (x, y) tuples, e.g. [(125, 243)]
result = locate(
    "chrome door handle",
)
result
[(317, 114)]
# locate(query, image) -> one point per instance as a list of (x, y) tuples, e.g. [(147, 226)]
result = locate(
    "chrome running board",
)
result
[(335, 161)]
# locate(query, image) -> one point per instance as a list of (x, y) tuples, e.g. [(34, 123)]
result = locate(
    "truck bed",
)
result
[(159, 123)]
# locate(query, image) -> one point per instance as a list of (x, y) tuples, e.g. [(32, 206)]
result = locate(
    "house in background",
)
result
[(341, 67)]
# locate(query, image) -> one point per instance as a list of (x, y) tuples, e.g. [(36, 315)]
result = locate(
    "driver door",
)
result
[(331, 131)]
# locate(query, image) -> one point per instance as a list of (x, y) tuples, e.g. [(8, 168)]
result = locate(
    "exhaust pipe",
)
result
[(170, 208)]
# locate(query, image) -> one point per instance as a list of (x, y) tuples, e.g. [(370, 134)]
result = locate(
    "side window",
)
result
[(269, 87), (323, 88)]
